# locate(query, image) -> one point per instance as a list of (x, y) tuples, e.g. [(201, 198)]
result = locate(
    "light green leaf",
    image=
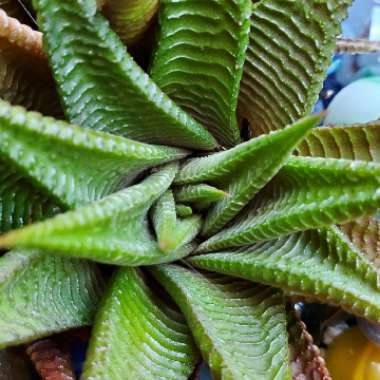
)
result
[(71, 164), (25, 77), (199, 60), (139, 335), (239, 327), (102, 87), (42, 295), (354, 142), (290, 49), (130, 18), (112, 230), (307, 193), (172, 233), (320, 265), (242, 171), (183, 211)]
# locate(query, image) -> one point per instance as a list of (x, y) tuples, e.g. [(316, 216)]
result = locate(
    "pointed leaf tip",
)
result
[(113, 230), (243, 170)]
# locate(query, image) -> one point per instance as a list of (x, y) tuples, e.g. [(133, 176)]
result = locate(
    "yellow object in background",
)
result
[(352, 356)]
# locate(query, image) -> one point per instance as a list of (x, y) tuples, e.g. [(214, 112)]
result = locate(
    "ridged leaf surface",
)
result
[(138, 335), (42, 295), (113, 230), (290, 49), (318, 264), (100, 84), (130, 18), (20, 202), (307, 193), (239, 327), (364, 233), (354, 142), (25, 78), (74, 165), (242, 171), (199, 60)]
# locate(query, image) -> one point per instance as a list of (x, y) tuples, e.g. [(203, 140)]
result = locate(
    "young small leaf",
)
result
[(183, 211), (130, 18), (307, 193), (172, 233), (41, 295), (239, 327), (320, 265), (100, 84), (290, 49), (74, 165), (198, 193), (242, 171), (138, 335), (113, 230), (199, 60)]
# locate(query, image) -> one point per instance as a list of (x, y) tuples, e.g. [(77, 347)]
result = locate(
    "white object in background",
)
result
[(359, 102), (374, 32)]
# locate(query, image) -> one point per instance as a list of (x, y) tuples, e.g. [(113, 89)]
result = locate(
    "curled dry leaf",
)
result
[(305, 357), (50, 360)]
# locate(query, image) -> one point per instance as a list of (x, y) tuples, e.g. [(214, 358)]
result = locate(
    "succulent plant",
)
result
[(202, 183)]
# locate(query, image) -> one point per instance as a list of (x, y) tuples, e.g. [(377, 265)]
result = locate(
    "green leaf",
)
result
[(71, 164), (172, 233), (199, 60), (364, 233), (42, 295), (130, 18), (100, 84), (113, 230), (242, 171), (239, 327), (25, 78), (183, 211), (20, 202), (354, 142), (307, 193), (138, 335), (320, 265), (290, 49)]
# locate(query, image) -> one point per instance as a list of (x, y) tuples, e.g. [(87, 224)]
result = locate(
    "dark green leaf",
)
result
[(307, 193), (320, 265), (138, 335), (242, 171), (290, 49), (100, 84), (42, 295), (239, 327), (112, 230), (199, 60), (71, 164)]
